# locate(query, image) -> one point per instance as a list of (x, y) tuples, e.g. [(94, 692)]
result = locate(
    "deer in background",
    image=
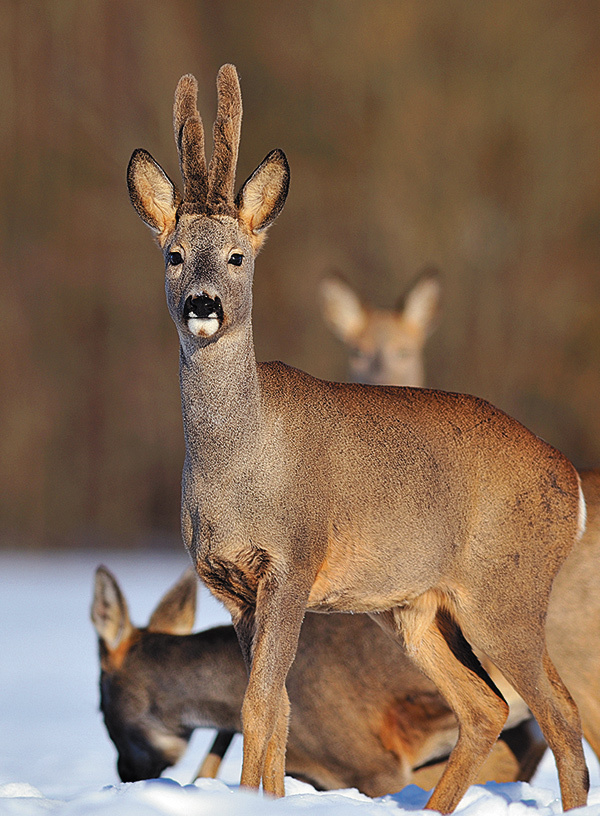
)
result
[(574, 613), (361, 714), (436, 513), (385, 346)]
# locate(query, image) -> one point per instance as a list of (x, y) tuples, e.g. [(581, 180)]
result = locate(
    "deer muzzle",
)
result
[(203, 314)]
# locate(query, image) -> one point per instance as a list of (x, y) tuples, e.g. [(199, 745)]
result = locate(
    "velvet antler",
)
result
[(227, 129), (189, 138), (213, 191)]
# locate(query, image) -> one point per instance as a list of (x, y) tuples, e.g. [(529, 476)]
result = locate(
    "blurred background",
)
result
[(446, 132)]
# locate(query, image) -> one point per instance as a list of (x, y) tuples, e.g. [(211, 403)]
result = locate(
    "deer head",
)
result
[(209, 238), (131, 686), (385, 346)]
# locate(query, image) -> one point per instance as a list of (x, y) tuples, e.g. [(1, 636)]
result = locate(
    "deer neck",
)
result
[(220, 398), (208, 679)]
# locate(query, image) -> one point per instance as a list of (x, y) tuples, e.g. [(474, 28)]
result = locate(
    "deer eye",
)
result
[(236, 258), (175, 258)]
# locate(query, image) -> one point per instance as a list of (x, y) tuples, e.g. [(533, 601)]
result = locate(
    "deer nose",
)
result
[(203, 314), (202, 306)]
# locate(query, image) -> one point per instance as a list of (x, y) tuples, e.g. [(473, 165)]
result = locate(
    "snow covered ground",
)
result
[(55, 755)]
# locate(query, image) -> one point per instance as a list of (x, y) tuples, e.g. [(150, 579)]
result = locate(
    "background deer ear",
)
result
[(421, 303), (341, 307), (152, 193), (176, 612), (263, 195), (110, 615)]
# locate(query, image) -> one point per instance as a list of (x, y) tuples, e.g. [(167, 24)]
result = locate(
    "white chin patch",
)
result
[(203, 326)]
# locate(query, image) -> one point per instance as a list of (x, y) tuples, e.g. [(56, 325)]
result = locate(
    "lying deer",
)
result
[(385, 346), (361, 714), (436, 513)]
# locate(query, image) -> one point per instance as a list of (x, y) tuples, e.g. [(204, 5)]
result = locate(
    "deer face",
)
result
[(137, 695), (209, 238), (209, 268), (388, 351), (386, 346), (145, 740), (145, 744)]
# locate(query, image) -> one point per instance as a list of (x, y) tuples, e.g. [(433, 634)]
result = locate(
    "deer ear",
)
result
[(421, 303), (176, 612), (263, 195), (110, 615), (153, 194), (342, 308)]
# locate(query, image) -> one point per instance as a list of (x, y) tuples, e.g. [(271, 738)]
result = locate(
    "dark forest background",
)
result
[(449, 132)]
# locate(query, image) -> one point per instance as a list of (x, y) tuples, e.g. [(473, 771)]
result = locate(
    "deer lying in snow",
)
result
[(361, 714), (436, 513)]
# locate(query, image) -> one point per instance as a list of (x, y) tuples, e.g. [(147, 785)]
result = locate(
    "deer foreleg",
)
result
[(265, 711), (212, 761)]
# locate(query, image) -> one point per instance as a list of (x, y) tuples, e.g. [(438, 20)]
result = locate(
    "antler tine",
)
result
[(227, 129), (189, 138)]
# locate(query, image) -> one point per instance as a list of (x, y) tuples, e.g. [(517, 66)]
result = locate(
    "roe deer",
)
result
[(361, 714), (385, 346), (436, 513), (574, 613)]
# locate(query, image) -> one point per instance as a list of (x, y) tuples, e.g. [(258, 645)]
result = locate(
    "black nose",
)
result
[(202, 306), (142, 767)]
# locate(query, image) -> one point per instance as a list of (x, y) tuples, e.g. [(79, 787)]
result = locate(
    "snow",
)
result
[(55, 755)]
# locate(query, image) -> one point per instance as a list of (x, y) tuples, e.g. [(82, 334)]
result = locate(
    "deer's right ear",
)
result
[(342, 308), (110, 615), (153, 194), (176, 611)]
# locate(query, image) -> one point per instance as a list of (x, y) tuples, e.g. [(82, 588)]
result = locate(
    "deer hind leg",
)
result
[(518, 649), (435, 643), (537, 681)]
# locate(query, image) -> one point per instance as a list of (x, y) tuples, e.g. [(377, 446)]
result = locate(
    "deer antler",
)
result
[(227, 129), (189, 138), (211, 192)]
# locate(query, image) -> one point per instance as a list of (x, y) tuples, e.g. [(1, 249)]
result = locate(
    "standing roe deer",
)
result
[(361, 714), (436, 513), (385, 346)]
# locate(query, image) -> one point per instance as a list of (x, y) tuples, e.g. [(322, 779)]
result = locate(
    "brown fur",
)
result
[(362, 715), (113, 659), (449, 495), (385, 346)]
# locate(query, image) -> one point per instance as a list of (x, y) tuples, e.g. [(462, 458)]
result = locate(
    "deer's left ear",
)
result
[(263, 195), (421, 303), (176, 611)]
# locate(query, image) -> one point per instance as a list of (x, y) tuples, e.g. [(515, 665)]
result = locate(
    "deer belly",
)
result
[(357, 585)]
